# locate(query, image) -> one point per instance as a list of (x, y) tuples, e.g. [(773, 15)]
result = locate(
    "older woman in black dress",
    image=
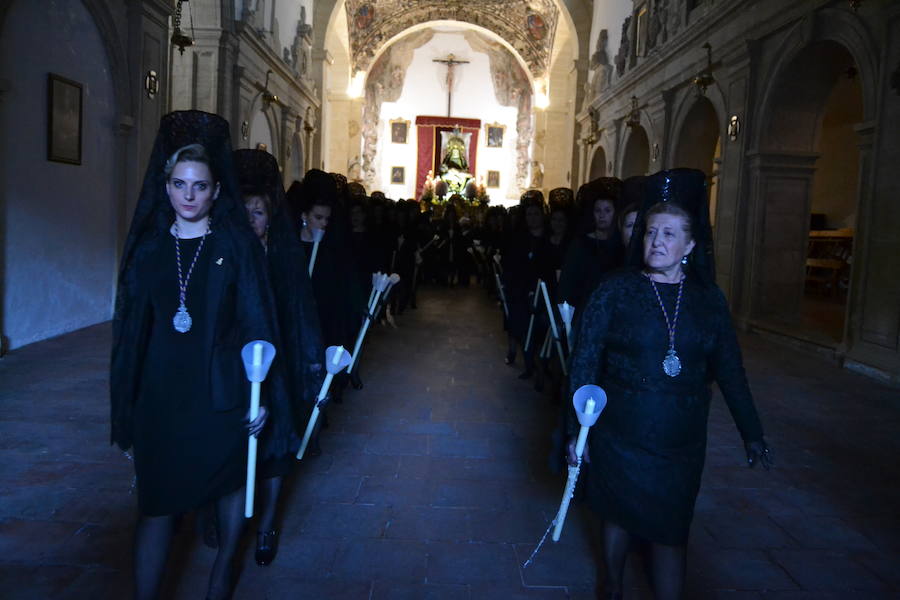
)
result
[(654, 337), (301, 340), (192, 291)]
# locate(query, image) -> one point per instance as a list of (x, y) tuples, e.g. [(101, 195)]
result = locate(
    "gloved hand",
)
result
[(758, 452)]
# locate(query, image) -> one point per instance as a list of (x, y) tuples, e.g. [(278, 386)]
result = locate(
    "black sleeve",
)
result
[(727, 368), (131, 330), (588, 352)]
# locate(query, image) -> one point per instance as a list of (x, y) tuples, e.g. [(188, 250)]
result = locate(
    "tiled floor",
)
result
[(435, 482)]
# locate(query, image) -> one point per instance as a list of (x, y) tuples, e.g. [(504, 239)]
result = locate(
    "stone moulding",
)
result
[(529, 27)]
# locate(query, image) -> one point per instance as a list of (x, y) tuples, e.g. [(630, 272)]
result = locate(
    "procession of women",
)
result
[(243, 311)]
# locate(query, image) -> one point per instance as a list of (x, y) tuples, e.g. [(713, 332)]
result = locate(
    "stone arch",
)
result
[(686, 102), (264, 129), (635, 156), (783, 167), (81, 281), (598, 164), (295, 168), (828, 25)]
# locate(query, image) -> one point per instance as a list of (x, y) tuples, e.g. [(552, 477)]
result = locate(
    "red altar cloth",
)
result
[(428, 154)]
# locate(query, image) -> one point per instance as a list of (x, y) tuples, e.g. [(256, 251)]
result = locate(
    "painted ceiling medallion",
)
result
[(528, 26), (536, 28), (364, 16)]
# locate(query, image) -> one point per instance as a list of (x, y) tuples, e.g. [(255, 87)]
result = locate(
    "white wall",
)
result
[(260, 132), (58, 242), (424, 93), (287, 16), (609, 15)]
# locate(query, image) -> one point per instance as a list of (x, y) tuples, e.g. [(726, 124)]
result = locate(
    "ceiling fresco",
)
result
[(529, 26)]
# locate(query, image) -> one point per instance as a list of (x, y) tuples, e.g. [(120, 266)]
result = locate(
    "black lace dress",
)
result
[(648, 447)]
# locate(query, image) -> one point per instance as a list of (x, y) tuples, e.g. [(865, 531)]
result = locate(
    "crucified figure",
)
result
[(450, 62)]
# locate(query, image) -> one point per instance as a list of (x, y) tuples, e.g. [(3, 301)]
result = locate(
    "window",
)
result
[(640, 31)]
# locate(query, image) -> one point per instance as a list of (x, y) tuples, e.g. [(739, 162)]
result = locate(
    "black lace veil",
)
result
[(687, 189), (153, 216), (301, 339)]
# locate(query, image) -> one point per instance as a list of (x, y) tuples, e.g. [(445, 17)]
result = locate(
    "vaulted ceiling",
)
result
[(529, 26)]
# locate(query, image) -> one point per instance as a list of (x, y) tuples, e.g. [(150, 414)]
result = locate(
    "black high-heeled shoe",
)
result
[(266, 547), (355, 381)]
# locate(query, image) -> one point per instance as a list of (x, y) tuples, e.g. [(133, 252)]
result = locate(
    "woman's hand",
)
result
[(256, 426), (570, 452), (758, 452)]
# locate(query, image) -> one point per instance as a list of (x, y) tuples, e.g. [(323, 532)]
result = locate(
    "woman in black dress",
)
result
[(598, 248), (179, 396), (654, 337), (301, 347), (335, 282), (527, 258)]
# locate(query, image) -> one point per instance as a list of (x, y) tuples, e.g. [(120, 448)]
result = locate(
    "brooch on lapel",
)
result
[(219, 262)]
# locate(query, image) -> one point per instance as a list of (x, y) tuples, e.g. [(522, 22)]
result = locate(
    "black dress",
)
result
[(336, 288), (587, 260), (648, 447), (179, 465)]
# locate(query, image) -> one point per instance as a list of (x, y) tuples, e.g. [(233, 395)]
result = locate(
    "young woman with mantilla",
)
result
[(597, 249), (654, 336), (192, 291), (301, 340)]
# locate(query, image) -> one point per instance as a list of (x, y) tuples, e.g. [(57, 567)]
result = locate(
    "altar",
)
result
[(447, 146)]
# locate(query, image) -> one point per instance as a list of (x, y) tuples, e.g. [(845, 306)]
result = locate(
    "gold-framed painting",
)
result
[(494, 133), (398, 175), (399, 131), (493, 179)]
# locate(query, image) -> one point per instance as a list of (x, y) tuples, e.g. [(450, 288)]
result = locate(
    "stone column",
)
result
[(778, 230)]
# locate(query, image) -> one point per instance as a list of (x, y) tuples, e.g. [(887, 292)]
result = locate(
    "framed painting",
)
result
[(493, 179), (64, 120), (399, 131), (398, 175), (495, 134)]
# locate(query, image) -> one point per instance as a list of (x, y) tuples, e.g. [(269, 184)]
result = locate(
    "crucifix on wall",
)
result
[(450, 62)]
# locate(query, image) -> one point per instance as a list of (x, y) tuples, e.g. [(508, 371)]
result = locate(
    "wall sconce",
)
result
[(268, 97), (705, 78), (594, 132), (634, 117), (151, 84), (180, 39), (734, 128)]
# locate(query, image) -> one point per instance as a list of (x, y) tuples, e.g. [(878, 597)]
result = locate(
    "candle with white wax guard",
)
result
[(252, 442)]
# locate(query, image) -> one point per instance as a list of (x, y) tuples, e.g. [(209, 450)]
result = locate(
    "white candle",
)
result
[(569, 490), (252, 442)]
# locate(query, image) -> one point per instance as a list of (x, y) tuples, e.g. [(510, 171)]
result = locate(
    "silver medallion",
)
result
[(671, 363), (182, 320)]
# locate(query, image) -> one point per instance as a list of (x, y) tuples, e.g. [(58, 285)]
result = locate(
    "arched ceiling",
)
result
[(529, 26)]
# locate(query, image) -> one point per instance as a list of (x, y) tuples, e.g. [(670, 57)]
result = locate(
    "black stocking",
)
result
[(230, 513), (668, 567), (269, 490), (615, 550), (152, 538)]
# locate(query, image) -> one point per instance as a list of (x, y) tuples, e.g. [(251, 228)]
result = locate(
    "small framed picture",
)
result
[(493, 179), (398, 175), (64, 120), (399, 131), (495, 135)]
